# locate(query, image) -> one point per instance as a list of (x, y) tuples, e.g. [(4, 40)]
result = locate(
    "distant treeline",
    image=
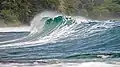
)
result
[(22, 11)]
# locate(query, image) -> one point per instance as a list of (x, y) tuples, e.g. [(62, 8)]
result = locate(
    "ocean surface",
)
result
[(56, 40)]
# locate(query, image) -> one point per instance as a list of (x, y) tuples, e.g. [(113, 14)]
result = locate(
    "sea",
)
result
[(56, 40)]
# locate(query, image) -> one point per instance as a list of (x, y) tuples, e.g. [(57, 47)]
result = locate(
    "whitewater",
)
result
[(56, 40)]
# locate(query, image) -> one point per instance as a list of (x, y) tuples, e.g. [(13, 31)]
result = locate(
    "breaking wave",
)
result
[(57, 36)]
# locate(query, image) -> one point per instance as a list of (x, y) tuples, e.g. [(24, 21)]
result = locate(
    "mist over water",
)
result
[(61, 37)]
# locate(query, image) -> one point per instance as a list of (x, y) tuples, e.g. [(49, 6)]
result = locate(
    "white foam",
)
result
[(86, 64), (103, 56), (15, 29)]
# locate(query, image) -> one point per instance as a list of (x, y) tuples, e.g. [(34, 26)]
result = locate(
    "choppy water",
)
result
[(62, 41)]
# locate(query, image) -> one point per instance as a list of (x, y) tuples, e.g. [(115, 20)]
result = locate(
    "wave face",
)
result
[(55, 36)]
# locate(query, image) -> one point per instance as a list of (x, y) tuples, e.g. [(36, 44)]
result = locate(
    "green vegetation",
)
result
[(22, 11)]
